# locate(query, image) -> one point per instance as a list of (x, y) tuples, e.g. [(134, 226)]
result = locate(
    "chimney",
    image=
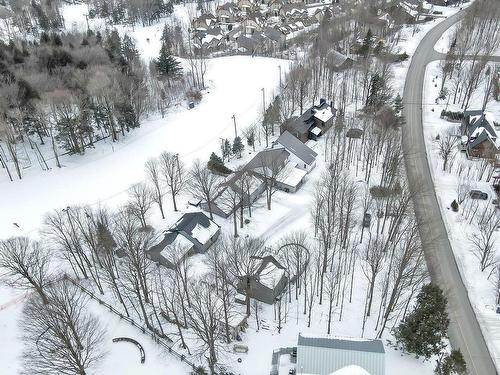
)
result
[(322, 101), (331, 105)]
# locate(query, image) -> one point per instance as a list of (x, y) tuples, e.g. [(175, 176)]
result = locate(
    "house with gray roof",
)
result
[(325, 355), (300, 153), (274, 166), (480, 138), (193, 233), (268, 282), (312, 123)]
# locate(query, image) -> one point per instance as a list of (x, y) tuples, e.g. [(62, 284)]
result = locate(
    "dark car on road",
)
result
[(478, 194)]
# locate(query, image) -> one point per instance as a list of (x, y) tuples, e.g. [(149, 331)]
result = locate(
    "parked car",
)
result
[(478, 194), (367, 219), (291, 372)]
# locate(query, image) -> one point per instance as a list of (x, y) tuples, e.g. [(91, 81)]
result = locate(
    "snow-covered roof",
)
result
[(179, 246), (202, 234), (291, 175), (348, 370), (196, 225), (271, 275), (358, 345), (316, 131), (324, 114)]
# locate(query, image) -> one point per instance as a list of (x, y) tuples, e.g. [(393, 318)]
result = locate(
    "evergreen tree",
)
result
[(166, 64), (449, 364), (424, 329), (398, 109), (129, 51), (56, 40), (364, 50), (114, 44), (216, 165), (398, 105), (44, 38), (238, 147), (126, 116), (98, 37), (226, 150), (199, 5), (166, 37)]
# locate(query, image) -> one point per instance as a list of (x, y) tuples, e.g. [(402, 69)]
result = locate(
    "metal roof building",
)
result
[(322, 356)]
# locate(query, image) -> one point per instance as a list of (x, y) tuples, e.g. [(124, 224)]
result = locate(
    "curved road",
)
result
[(464, 330)]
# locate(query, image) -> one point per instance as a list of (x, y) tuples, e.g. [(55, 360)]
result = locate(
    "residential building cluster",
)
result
[(249, 26)]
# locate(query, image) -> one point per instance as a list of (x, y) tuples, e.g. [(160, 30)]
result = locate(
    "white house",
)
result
[(325, 355)]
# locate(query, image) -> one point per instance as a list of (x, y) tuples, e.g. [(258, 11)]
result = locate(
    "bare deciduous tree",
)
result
[(25, 265), (174, 174), (203, 184), (61, 337), (483, 242), (446, 146), (153, 175), (140, 201)]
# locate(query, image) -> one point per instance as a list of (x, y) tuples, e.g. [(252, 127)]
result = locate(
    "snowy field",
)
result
[(481, 290), (104, 174)]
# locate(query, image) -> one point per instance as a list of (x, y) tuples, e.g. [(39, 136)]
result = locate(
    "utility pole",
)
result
[(235, 131), (264, 100), (489, 75)]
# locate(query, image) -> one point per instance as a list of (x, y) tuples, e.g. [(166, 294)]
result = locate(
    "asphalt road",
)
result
[(464, 330)]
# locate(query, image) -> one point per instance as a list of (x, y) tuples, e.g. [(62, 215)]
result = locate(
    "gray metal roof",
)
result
[(373, 346), (296, 147)]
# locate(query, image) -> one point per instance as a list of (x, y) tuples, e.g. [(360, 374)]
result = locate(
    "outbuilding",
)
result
[(325, 355)]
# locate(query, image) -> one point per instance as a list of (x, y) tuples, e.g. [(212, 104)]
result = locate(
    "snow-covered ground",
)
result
[(105, 173), (481, 290), (147, 38)]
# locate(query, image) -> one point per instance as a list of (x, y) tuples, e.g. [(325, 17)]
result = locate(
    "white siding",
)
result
[(323, 361)]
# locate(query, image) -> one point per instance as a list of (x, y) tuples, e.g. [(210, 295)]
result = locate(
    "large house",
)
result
[(300, 154), (312, 123), (274, 166), (193, 233), (268, 283), (325, 355), (479, 138)]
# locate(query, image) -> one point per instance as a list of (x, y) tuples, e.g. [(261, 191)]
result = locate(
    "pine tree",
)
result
[(128, 49), (216, 165), (114, 44), (166, 64), (126, 116), (424, 329), (238, 147), (398, 105), (166, 37), (226, 150), (364, 50), (449, 364)]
